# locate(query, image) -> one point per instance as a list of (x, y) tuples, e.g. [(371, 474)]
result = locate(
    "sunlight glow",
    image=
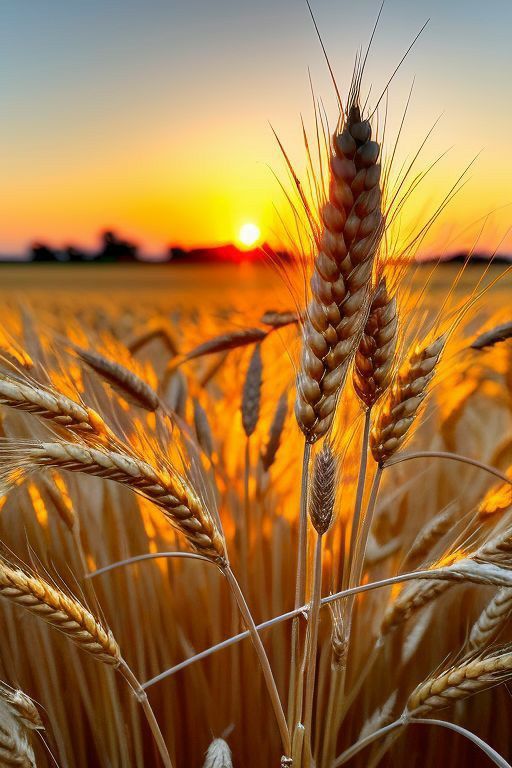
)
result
[(249, 235)]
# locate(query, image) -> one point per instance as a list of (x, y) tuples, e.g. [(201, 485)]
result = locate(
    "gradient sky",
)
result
[(152, 116)]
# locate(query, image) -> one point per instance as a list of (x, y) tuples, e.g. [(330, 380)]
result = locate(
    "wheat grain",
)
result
[(340, 285), (373, 365), (406, 396), (60, 611)]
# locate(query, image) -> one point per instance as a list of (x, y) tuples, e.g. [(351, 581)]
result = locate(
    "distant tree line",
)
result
[(112, 249)]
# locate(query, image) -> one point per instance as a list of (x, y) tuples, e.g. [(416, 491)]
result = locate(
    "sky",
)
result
[(152, 117)]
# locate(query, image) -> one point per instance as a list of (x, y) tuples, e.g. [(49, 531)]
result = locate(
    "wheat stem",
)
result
[(491, 753), (366, 523), (402, 722), (429, 574), (147, 556), (362, 743), (244, 532), (300, 583), (360, 485), (143, 700), (314, 616), (263, 659), (447, 455)]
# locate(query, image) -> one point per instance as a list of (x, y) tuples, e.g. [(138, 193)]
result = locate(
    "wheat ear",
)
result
[(375, 356), (498, 499), (61, 611), (18, 716), (268, 455), (70, 617), (170, 492), (218, 755), (251, 395), (340, 284), (494, 336), (130, 386), (491, 621), (429, 536), (21, 707), (51, 406), (465, 679), (202, 428), (15, 749), (404, 400), (492, 555)]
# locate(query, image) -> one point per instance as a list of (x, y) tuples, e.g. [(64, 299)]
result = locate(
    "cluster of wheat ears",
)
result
[(381, 580)]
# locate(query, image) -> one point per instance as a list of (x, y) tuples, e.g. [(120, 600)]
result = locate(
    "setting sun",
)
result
[(249, 234)]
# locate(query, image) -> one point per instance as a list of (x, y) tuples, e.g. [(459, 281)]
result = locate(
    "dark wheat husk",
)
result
[(340, 285), (373, 365)]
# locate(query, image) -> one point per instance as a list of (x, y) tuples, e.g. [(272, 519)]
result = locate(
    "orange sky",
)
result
[(152, 118)]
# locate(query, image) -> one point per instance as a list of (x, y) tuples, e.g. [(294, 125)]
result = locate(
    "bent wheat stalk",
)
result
[(491, 753), (71, 618), (61, 611), (164, 488), (51, 406)]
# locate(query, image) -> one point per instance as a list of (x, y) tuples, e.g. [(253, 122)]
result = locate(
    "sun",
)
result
[(249, 234)]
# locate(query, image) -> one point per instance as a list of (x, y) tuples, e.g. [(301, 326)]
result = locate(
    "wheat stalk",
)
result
[(488, 564), (52, 406), (60, 611), (170, 492)]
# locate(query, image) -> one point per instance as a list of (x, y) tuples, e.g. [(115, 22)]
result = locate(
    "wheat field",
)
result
[(260, 515), (221, 457)]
